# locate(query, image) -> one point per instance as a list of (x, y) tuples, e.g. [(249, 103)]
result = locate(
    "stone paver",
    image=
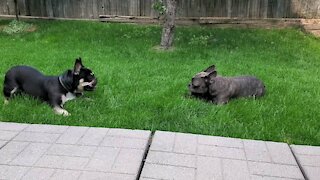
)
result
[(198, 157), (34, 151), (2, 143), (309, 159)]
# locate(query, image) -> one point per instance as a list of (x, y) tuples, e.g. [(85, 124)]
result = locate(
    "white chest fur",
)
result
[(69, 96)]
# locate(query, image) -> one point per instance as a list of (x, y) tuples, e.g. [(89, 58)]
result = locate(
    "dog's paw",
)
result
[(88, 99), (6, 102), (61, 111), (66, 113)]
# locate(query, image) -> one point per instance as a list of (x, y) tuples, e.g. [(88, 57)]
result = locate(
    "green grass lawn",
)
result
[(141, 88)]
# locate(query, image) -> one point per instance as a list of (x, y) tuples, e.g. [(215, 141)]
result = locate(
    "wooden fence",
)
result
[(90, 9)]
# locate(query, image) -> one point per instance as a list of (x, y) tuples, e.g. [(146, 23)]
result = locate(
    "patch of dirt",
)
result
[(161, 49), (315, 32), (33, 28), (310, 21)]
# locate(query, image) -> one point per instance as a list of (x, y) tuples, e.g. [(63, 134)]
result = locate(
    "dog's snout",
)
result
[(195, 84), (95, 81)]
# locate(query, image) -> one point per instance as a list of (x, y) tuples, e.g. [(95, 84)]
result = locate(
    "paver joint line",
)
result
[(299, 165), (145, 155)]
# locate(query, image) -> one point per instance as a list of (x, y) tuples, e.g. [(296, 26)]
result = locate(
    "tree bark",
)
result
[(169, 25)]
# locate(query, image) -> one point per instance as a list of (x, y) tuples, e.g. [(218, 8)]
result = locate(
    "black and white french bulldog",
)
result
[(207, 85), (55, 90)]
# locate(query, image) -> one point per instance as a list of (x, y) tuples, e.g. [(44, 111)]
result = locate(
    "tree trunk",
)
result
[(169, 25), (16, 9)]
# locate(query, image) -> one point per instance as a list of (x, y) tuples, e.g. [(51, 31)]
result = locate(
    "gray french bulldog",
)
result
[(207, 85)]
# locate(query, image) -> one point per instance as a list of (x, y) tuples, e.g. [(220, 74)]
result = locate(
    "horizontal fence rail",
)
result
[(92, 9)]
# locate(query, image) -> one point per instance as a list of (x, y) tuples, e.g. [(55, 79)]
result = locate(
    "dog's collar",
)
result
[(64, 84)]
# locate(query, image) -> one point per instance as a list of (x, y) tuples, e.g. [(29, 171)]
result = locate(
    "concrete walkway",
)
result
[(29, 151)]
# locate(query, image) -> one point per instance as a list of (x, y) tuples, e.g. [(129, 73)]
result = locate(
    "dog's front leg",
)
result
[(60, 111), (220, 100), (57, 103)]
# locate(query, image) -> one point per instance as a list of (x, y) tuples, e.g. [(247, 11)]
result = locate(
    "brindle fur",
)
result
[(207, 85)]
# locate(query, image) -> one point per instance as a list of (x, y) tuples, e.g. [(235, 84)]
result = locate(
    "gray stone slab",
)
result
[(7, 135), (43, 128), (11, 151), (169, 158), (163, 141), (71, 150), (12, 172), (36, 137), (235, 169), (309, 159), (281, 153), (2, 143), (180, 145), (72, 135), (65, 175), (38, 173), (128, 161), (209, 168), (12, 126), (189, 156), (256, 151), (220, 141), (312, 173), (102, 176), (93, 136), (156, 171), (64, 162), (221, 152), (30, 154), (122, 142), (257, 177), (139, 134), (63, 152), (306, 150), (103, 159), (275, 170)]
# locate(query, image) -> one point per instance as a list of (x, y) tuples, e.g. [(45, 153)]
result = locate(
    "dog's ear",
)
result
[(77, 66), (210, 69), (210, 77)]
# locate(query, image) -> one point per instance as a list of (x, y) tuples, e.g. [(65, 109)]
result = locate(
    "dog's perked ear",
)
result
[(77, 66), (210, 69), (210, 77)]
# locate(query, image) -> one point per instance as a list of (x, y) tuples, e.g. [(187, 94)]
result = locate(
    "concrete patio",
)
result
[(31, 151)]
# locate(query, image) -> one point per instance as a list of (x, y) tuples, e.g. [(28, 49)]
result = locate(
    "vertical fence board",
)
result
[(95, 9), (134, 8), (49, 8), (10, 7), (35, 8), (107, 7), (2, 7), (263, 9), (21, 7)]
